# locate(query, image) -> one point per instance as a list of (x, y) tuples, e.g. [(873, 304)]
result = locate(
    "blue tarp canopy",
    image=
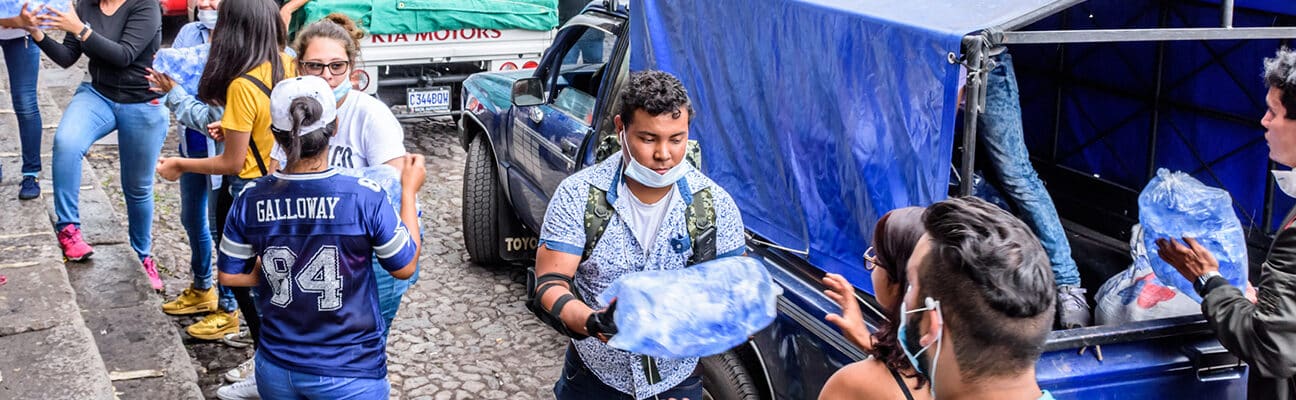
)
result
[(820, 116)]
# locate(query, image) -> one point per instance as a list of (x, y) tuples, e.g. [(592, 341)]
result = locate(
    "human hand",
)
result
[(413, 172), (169, 168), (159, 82), (851, 320), (214, 130), (25, 20), (1192, 261), (1250, 293), (67, 21), (601, 324)]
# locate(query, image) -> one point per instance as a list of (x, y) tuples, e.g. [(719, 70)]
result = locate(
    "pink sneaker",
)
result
[(74, 248), (150, 268)]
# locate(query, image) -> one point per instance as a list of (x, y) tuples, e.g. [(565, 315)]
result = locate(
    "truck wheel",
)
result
[(725, 378), (481, 202)]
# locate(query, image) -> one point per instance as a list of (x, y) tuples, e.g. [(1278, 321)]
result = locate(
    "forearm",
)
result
[(574, 314), (409, 217), (191, 112), (227, 163), (65, 54)]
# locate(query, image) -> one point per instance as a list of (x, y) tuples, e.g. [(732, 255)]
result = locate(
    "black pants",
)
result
[(242, 295), (578, 382)]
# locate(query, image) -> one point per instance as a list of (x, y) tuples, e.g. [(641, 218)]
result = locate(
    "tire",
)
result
[(481, 203), (725, 378)]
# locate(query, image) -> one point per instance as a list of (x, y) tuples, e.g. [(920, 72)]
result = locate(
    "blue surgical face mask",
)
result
[(910, 340), (646, 176), (342, 90), (207, 18)]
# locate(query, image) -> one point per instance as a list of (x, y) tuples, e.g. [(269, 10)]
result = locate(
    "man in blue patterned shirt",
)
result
[(650, 189)]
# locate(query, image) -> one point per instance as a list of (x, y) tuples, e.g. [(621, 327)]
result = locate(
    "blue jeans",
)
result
[(194, 192), (141, 129), (275, 382), (390, 291), (22, 58), (1000, 127), (578, 383)]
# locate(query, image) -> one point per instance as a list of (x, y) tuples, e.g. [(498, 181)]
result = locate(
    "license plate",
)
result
[(435, 98)]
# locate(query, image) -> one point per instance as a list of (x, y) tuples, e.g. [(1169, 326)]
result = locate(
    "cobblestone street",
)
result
[(462, 331)]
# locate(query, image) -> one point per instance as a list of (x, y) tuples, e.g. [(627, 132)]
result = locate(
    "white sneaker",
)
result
[(242, 390), (245, 370)]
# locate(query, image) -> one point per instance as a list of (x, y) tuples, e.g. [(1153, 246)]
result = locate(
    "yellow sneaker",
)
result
[(192, 301), (215, 326)]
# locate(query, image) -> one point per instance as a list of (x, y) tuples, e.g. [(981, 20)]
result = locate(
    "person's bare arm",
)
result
[(228, 163)]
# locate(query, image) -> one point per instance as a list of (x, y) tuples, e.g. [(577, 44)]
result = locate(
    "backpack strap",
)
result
[(256, 153), (700, 218), (597, 215)]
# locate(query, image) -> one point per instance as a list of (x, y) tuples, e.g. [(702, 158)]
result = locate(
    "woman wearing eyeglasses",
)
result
[(367, 134), (894, 238)]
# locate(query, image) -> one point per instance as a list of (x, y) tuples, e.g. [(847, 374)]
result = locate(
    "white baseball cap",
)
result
[(303, 86)]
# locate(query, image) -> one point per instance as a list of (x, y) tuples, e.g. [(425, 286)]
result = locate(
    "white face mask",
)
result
[(646, 176), (1286, 181), (207, 18)]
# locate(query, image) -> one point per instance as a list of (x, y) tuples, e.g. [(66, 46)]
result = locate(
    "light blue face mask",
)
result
[(342, 90), (904, 345), (646, 176), (208, 18)]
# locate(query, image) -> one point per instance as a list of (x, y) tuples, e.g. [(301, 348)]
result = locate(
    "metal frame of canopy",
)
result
[(979, 46)]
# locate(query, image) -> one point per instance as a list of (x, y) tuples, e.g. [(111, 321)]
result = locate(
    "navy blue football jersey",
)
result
[(315, 234)]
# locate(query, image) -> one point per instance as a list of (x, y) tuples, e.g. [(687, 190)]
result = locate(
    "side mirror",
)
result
[(528, 92)]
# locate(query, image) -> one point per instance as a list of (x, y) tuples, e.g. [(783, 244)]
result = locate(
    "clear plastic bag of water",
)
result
[(1176, 205), (698, 311), (184, 65)]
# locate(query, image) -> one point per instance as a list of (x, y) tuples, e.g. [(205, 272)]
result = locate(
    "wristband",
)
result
[(1200, 284), (83, 32)]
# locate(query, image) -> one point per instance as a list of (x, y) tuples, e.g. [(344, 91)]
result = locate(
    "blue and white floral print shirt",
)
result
[(618, 253)]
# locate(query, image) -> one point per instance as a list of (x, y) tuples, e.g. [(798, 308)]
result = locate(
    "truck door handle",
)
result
[(536, 115), (567, 146), (1212, 362)]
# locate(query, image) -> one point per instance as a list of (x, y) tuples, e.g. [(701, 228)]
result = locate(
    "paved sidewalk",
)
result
[(91, 330)]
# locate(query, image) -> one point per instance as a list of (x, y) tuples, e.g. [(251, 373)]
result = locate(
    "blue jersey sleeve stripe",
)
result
[(236, 250), (563, 247), (393, 246)]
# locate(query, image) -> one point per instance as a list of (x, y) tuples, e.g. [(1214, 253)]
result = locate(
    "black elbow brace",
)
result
[(536, 287)]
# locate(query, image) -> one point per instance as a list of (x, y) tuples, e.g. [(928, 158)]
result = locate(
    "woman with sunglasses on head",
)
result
[(368, 133), (894, 238)]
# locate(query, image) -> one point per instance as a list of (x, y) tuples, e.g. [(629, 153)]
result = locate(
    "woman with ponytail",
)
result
[(368, 135), (316, 233)]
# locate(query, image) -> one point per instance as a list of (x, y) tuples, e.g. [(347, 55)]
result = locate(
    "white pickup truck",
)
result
[(418, 74)]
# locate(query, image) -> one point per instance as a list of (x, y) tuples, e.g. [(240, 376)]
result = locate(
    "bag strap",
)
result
[(256, 153), (597, 215), (699, 217)]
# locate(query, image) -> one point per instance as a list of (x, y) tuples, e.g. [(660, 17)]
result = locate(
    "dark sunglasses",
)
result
[(314, 68)]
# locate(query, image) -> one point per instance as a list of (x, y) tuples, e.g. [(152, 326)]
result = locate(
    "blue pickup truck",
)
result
[(820, 115)]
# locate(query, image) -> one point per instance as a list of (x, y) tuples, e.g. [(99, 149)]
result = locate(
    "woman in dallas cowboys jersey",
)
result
[(315, 233)]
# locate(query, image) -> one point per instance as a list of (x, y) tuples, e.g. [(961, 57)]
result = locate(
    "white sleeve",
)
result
[(384, 137)]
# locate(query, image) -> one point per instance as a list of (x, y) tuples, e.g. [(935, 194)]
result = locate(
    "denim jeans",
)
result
[(276, 382), (1000, 128), (578, 382), (390, 291), (141, 129), (22, 58), (194, 216)]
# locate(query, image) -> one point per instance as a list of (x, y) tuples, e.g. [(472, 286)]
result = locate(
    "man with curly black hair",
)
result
[(643, 208)]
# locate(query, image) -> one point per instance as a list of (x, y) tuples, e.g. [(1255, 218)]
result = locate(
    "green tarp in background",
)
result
[(416, 16)]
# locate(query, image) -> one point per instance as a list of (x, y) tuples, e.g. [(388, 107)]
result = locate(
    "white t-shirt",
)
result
[(368, 134), (13, 33), (645, 219)]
